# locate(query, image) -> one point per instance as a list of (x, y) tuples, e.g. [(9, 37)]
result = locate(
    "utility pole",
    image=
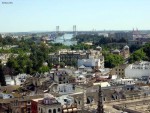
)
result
[(100, 108)]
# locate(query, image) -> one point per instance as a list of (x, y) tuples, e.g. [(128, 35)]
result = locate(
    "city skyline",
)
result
[(25, 16)]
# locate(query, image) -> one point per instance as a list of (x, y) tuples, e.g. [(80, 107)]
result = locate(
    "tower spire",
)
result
[(100, 108)]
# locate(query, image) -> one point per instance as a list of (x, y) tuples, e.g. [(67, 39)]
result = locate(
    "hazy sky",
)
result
[(45, 15)]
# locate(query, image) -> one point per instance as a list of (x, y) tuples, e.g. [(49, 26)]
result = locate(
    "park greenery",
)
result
[(32, 62), (141, 54), (113, 60), (97, 39), (30, 57)]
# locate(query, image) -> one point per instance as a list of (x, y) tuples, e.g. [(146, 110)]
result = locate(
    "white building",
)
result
[(103, 84), (138, 69), (124, 81), (65, 100), (6, 96), (65, 88), (62, 88), (92, 62), (15, 80), (81, 79)]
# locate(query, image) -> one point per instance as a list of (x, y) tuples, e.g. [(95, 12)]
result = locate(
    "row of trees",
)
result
[(81, 46), (8, 40), (97, 40)]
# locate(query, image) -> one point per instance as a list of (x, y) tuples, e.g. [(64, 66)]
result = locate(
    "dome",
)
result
[(116, 51), (45, 64), (99, 48), (126, 47), (49, 99)]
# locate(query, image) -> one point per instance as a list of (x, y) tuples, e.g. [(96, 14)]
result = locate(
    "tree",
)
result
[(62, 64), (137, 56), (112, 60), (2, 78), (44, 69), (146, 49), (122, 40), (1, 40), (134, 47)]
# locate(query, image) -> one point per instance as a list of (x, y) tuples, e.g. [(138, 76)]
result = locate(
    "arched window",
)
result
[(58, 109), (49, 111), (54, 110), (88, 101), (75, 101), (41, 110), (79, 102)]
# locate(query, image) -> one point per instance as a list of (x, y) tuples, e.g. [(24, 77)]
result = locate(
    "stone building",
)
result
[(21, 104), (119, 70), (70, 56), (125, 52), (49, 105), (61, 77)]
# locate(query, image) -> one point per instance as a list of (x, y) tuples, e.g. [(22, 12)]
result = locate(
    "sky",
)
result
[(45, 15)]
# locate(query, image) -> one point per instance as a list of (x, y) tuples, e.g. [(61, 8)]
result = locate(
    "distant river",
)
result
[(65, 39)]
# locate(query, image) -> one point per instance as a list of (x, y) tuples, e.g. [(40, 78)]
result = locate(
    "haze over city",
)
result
[(45, 15)]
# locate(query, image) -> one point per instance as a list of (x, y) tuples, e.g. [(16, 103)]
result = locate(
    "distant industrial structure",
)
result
[(57, 29), (74, 30)]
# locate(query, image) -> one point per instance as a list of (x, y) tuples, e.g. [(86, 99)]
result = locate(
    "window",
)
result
[(41, 110), (65, 100), (73, 87), (29, 102), (75, 102), (54, 110), (79, 102), (49, 111), (104, 99), (58, 109), (28, 109)]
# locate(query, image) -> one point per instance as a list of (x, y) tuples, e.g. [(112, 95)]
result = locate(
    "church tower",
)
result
[(100, 108)]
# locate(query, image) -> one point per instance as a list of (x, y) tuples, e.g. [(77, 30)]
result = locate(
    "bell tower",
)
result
[(100, 108)]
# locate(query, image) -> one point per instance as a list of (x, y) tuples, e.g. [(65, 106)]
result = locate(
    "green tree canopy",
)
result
[(112, 60), (137, 56)]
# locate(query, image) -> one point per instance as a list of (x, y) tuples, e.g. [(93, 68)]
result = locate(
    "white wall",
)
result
[(136, 73), (65, 88)]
